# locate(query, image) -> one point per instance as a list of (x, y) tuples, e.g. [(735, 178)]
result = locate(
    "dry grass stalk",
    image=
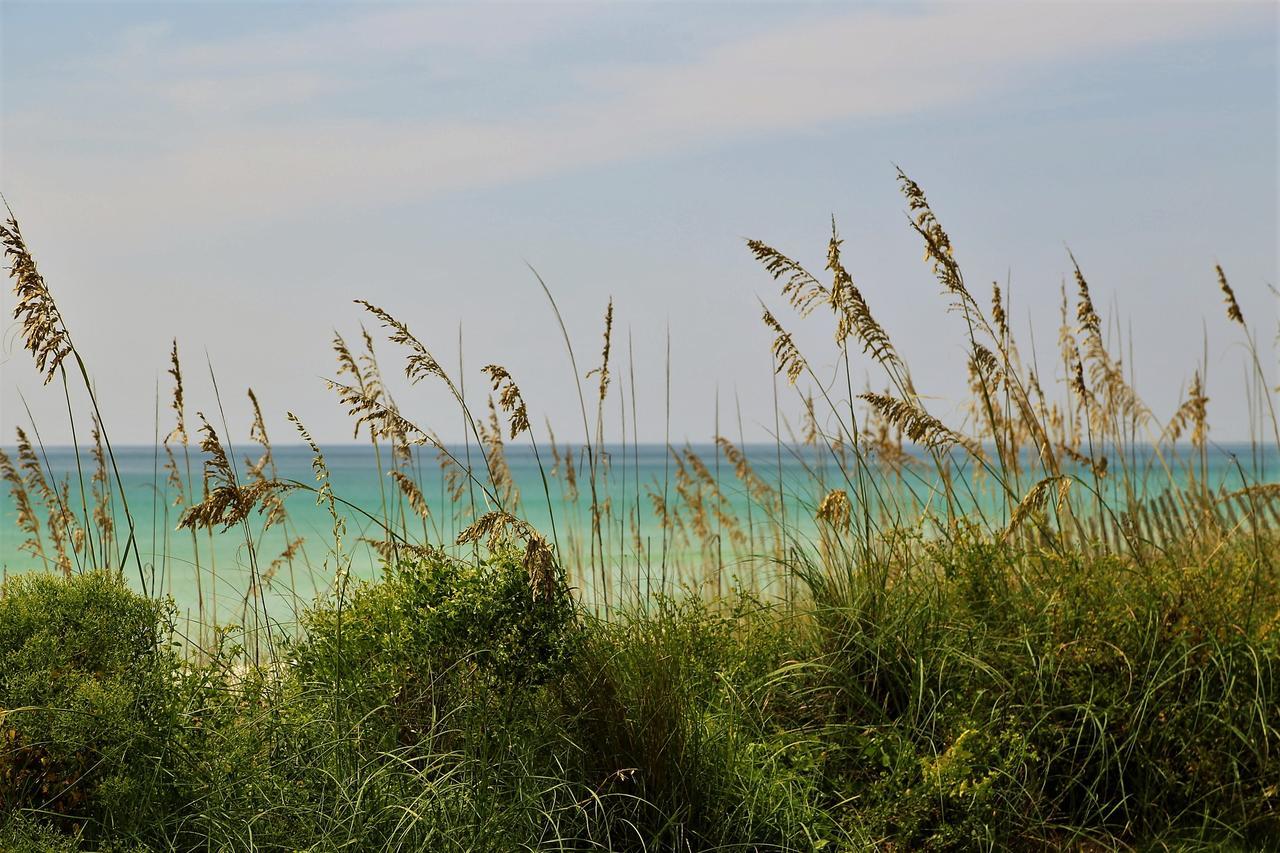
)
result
[(324, 489), (226, 503), (800, 288), (510, 398), (1035, 500), (812, 430), (917, 424), (1192, 413), (103, 516), (368, 407), (785, 353), (291, 549), (411, 492), (391, 551), (455, 477), (495, 453), (348, 366), (755, 485), (884, 440), (603, 369), (264, 469), (539, 561), (44, 334), (420, 362), (63, 528), (998, 315), (937, 244), (173, 477), (1106, 374), (1234, 314), (25, 517), (179, 432), (836, 510), (854, 318)]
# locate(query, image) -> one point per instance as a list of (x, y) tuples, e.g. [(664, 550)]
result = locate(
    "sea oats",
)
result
[(509, 398), (742, 469), (412, 493), (44, 334), (603, 369), (495, 454), (854, 318), (1035, 500), (1105, 373), (103, 516), (799, 286), (179, 432), (25, 519), (785, 353), (917, 424), (1191, 413), (938, 248), (1233, 308), (389, 551), (836, 510), (998, 316), (420, 362), (226, 502)]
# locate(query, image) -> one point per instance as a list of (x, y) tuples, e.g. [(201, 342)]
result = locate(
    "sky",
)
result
[(235, 175)]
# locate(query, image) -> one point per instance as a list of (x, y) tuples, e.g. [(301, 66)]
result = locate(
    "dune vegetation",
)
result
[(1049, 625)]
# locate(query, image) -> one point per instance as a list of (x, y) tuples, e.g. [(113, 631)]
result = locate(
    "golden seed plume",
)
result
[(836, 510), (785, 352), (1234, 314), (854, 318), (44, 334), (1192, 413), (936, 242), (102, 509), (1106, 373), (812, 430), (509, 398), (390, 551), (539, 558), (383, 420), (226, 502), (420, 363), (26, 518), (997, 313), (179, 431), (917, 424), (1035, 499), (742, 469), (411, 492), (495, 454), (603, 369), (802, 290)]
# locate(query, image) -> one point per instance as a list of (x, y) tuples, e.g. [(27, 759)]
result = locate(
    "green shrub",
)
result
[(85, 701), (437, 636)]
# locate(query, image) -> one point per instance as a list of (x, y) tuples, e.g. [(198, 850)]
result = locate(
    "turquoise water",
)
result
[(632, 537)]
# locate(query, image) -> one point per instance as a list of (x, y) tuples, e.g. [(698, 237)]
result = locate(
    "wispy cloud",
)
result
[(272, 124)]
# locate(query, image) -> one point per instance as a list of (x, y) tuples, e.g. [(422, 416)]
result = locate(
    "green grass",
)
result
[(443, 707)]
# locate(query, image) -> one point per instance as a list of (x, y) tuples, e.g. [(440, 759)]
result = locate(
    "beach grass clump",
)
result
[(987, 699)]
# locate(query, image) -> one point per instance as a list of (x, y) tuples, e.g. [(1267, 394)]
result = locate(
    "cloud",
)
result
[(270, 125)]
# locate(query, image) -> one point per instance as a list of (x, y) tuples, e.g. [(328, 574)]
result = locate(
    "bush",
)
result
[(438, 636), (86, 717)]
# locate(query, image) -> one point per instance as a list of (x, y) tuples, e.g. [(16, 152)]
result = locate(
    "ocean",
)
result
[(633, 539)]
